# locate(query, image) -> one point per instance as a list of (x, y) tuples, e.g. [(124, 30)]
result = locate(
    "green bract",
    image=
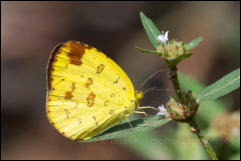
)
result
[(172, 51)]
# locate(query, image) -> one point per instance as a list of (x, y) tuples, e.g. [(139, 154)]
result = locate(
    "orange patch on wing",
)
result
[(73, 86), (100, 68), (89, 82), (91, 99), (75, 51), (68, 94)]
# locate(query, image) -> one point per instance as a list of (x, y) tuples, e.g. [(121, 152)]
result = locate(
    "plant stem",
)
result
[(191, 121), (196, 130), (173, 77)]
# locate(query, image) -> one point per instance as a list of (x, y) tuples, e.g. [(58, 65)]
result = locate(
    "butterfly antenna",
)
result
[(155, 89), (150, 78)]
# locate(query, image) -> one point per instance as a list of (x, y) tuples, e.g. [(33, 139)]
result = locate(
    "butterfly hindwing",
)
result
[(87, 91)]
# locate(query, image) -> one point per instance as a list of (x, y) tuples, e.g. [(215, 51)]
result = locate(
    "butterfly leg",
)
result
[(140, 112), (148, 107)]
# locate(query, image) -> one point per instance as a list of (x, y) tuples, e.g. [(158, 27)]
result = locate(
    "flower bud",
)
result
[(172, 49), (184, 109)]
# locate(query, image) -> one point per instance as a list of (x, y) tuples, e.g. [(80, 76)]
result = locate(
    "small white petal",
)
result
[(166, 36), (162, 111), (160, 37), (163, 37)]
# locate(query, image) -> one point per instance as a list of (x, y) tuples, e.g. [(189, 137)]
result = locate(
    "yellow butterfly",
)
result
[(87, 92)]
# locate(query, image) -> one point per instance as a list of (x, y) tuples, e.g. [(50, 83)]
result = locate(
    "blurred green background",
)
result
[(30, 30)]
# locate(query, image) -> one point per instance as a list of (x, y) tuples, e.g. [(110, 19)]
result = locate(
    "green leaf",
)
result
[(151, 30), (221, 87), (174, 61), (188, 83), (150, 145), (236, 156), (125, 129), (194, 43), (190, 148), (149, 51)]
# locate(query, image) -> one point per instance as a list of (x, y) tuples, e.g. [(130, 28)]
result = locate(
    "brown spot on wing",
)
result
[(106, 103), (75, 51), (100, 68), (116, 81), (68, 94), (112, 95), (91, 99), (89, 82), (111, 112), (73, 86)]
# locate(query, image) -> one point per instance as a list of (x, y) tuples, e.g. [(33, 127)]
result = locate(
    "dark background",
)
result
[(30, 30)]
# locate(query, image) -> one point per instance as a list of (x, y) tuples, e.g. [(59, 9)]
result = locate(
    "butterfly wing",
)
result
[(87, 91)]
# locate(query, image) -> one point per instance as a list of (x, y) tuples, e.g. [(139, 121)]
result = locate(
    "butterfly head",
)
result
[(139, 96)]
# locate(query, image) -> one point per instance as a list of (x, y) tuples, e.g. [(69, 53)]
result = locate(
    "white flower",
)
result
[(163, 37), (162, 111)]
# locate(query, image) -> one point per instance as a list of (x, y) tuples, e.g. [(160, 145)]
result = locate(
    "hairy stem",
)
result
[(196, 130), (174, 79)]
